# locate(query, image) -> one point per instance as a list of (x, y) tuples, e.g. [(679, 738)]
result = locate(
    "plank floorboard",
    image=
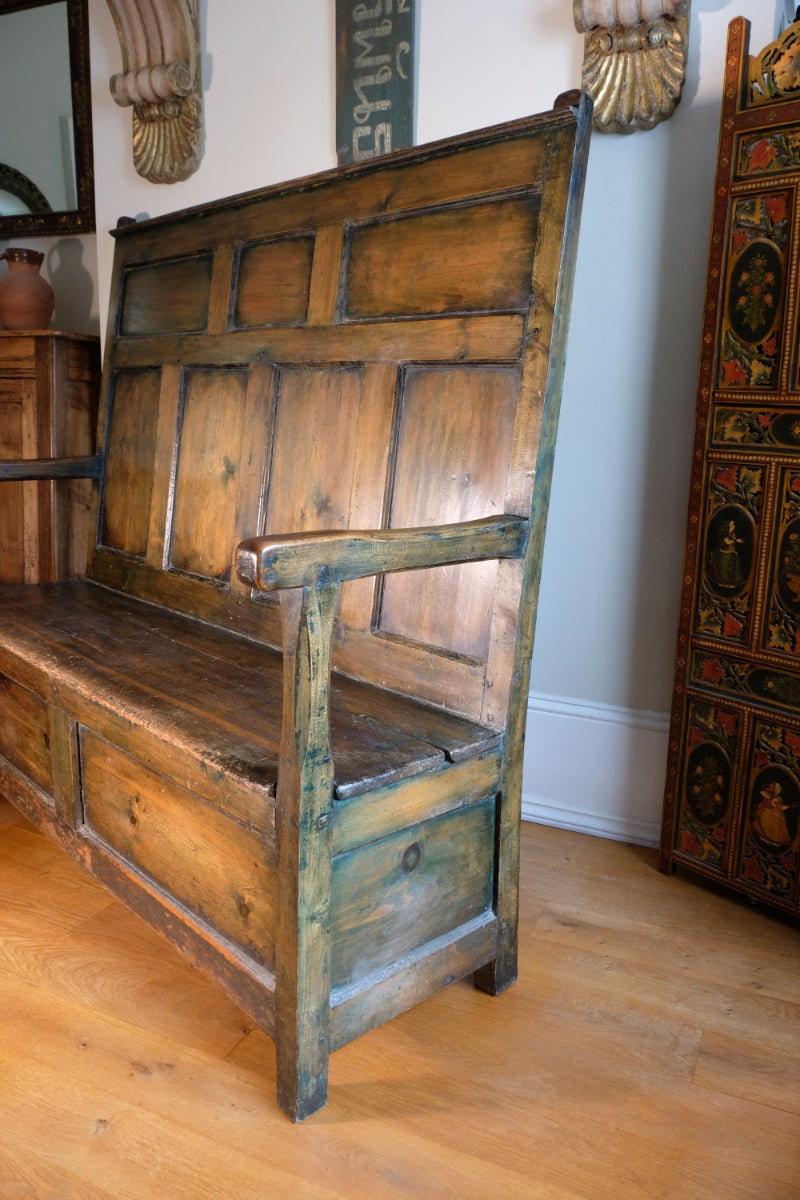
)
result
[(650, 1051)]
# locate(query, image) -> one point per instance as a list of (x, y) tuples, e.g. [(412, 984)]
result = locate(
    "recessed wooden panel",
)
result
[(130, 462), (453, 450), (208, 472), (14, 396), (166, 297), (273, 282), (24, 733), (196, 853), (314, 451), (461, 259), (392, 896)]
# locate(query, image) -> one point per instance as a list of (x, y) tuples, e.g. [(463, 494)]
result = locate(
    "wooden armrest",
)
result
[(331, 556), (87, 467)]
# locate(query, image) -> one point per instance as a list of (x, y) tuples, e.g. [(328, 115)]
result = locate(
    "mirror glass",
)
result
[(46, 176)]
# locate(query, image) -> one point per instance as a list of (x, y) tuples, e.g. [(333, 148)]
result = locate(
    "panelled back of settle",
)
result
[(282, 714)]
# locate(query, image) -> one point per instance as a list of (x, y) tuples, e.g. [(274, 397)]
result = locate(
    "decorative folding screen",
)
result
[(732, 802)]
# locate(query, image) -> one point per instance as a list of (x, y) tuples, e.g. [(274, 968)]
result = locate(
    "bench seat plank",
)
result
[(216, 694)]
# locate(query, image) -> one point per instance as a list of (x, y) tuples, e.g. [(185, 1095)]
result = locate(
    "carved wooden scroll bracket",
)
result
[(775, 74), (634, 61), (160, 80)]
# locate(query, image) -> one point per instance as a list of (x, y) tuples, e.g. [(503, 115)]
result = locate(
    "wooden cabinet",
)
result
[(49, 385), (732, 803)]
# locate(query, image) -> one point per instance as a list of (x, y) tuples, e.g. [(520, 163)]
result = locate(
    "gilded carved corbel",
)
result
[(775, 74), (634, 61), (160, 79)]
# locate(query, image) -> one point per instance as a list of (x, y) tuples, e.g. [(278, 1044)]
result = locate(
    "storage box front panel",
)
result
[(24, 733), (391, 897), (209, 862)]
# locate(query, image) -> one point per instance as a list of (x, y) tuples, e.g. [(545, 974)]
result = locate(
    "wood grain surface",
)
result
[(650, 1049)]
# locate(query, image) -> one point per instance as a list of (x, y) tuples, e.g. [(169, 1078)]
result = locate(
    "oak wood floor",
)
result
[(650, 1050)]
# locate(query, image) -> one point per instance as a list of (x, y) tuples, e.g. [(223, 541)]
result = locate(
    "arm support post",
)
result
[(303, 832)]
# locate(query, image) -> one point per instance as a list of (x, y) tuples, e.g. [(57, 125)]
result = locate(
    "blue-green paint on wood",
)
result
[(375, 64)]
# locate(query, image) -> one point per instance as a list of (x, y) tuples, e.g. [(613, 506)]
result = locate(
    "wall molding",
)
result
[(595, 768)]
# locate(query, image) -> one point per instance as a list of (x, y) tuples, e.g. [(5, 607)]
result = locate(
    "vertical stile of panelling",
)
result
[(66, 767), (32, 494), (325, 271), (370, 480), (255, 463), (219, 301), (51, 382), (12, 403), (161, 495)]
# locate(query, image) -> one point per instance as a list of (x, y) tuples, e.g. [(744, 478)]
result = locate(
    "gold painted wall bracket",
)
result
[(160, 80), (634, 62)]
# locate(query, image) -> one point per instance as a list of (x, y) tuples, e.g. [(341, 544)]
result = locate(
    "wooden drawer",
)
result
[(208, 861), (25, 733), (393, 896)]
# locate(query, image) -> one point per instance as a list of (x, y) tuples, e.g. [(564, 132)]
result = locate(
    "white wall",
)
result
[(607, 619)]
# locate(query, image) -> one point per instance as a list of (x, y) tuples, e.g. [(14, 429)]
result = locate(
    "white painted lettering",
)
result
[(362, 13), (362, 39), (402, 51), (381, 141), (363, 111)]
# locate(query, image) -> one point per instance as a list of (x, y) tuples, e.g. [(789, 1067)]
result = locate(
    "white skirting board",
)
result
[(595, 768)]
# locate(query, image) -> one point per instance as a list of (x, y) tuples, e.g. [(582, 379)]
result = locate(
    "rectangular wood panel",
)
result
[(273, 280), (208, 472), (473, 258), (319, 411), (166, 297), (156, 825), (392, 896), (453, 449), (130, 458), (25, 732)]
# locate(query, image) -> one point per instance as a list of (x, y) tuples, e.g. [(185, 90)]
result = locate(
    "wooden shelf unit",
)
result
[(49, 387)]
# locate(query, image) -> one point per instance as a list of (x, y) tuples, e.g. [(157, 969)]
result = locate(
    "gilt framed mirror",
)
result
[(46, 169)]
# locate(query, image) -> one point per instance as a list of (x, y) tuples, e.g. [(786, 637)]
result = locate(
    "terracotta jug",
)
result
[(26, 300)]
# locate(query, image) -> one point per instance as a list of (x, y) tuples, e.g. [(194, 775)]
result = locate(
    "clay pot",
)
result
[(26, 300)]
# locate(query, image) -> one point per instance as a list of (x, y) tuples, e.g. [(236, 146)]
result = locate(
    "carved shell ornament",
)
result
[(634, 61), (160, 80)]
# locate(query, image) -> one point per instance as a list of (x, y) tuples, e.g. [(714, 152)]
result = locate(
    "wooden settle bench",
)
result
[(282, 716)]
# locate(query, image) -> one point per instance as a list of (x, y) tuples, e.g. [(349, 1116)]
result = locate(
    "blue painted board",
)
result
[(375, 60)]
